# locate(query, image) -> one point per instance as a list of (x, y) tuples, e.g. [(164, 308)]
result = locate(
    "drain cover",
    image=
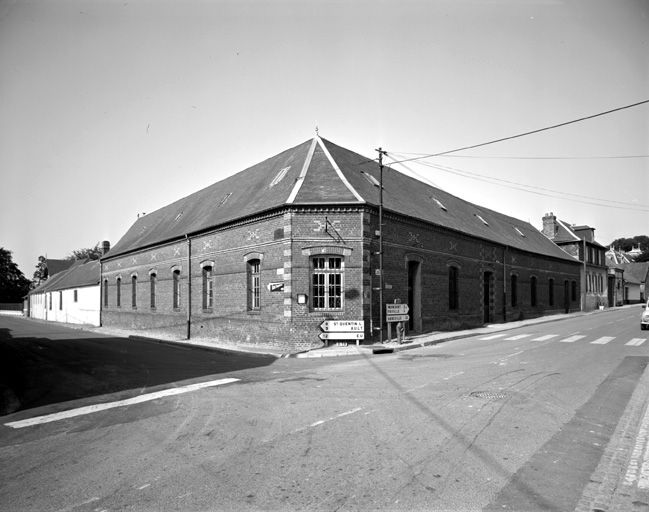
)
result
[(488, 395)]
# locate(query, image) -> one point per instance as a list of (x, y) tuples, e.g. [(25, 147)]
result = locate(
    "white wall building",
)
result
[(71, 296)]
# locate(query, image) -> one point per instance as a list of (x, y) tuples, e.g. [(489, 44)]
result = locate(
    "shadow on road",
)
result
[(38, 371)]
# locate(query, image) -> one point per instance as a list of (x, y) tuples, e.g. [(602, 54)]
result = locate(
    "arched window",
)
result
[(551, 292), (176, 288), (134, 291), (118, 284), (254, 285), (453, 288), (152, 282), (533, 291), (208, 287), (514, 290), (105, 293)]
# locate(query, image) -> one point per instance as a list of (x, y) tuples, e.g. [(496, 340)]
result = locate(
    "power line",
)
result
[(504, 157), (530, 188), (525, 133)]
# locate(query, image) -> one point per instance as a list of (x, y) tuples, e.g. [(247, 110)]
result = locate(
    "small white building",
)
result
[(71, 296)]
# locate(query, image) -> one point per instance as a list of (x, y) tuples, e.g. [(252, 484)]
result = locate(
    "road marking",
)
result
[(546, 337), (120, 403), (322, 422), (603, 340), (493, 337), (636, 342), (572, 339), (517, 337)]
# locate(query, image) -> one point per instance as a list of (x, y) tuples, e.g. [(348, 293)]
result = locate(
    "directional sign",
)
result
[(342, 335), (275, 287), (396, 309), (343, 325), (397, 318)]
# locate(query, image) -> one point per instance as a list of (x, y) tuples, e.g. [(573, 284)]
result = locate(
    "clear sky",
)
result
[(113, 108)]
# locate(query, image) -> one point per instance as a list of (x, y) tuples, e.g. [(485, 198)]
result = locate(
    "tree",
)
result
[(41, 273), (13, 284), (627, 244), (90, 253), (643, 257)]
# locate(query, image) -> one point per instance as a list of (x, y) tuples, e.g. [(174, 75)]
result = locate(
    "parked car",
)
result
[(644, 320)]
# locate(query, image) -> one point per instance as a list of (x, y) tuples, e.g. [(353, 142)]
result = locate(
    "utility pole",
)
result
[(381, 153)]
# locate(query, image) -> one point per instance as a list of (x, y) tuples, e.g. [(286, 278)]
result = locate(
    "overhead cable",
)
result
[(525, 133)]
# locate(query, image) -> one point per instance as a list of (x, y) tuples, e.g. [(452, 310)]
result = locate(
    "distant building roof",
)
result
[(318, 172), (636, 272), (615, 257), (81, 273)]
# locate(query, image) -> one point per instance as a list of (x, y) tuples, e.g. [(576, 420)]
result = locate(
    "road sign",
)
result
[(397, 318), (275, 287), (396, 309), (343, 325), (342, 335)]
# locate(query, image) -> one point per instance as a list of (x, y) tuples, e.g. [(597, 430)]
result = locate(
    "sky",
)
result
[(109, 109)]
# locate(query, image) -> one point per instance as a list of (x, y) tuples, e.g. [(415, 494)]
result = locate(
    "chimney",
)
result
[(105, 247), (550, 225)]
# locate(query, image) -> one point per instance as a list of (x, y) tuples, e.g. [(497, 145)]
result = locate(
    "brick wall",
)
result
[(286, 242)]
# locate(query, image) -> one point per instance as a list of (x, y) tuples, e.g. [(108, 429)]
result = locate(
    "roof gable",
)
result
[(320, 172)]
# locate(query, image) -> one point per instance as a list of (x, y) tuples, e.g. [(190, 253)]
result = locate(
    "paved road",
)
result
[(515, 422)]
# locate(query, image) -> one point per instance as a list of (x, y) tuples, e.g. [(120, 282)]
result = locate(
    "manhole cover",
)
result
[(489, 395)]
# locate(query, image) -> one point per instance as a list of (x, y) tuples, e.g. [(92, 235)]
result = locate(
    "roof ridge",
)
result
[(305, 167), (340, 174)]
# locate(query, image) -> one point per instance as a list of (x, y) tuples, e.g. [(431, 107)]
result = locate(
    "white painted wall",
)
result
[(64, 308)]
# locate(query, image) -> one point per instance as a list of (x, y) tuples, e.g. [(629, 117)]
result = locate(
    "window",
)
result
[(60, 300), (551, 292), (119, 291), (514, 290), (76, 296), (481, 219), (176, 289), (51, 300), (533, 291), (574, 290), (327, 282), (106, 292), (208, 288), (152, 281), (134, 292), (253, 285), (279, 176), (453, 291)]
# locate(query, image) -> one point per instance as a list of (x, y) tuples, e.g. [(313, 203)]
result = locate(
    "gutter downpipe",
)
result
[(189, 286), (583, 285)]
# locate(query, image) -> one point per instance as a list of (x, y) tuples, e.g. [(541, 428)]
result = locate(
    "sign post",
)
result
[(342, 330), (396, 313)]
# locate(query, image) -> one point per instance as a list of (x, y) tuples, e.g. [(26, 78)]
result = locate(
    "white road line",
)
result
[(517, 337), (120, 403), (322, 422), (603, 340), (572, 339), (636, 342), (546, 337), (493, 337)]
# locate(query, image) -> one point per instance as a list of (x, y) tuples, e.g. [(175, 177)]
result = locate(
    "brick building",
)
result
[(580, 243), (266, 255)]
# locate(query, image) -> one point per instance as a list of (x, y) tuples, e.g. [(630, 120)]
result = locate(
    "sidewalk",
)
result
[(434, 338)]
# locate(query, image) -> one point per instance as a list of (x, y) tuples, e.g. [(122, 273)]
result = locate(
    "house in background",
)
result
[(265, 256), (636, 281), (617, 257), (70, 296), (579, 242)]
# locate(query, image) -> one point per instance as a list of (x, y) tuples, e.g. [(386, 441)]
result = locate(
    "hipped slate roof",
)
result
[(80, 274), (635, 272), (318, 172)]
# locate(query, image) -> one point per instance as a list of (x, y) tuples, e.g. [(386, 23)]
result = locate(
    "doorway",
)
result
[(487, 290), (414, 295), (566, 296)]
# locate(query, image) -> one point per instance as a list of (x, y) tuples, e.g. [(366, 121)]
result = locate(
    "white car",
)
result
[(644, 320)]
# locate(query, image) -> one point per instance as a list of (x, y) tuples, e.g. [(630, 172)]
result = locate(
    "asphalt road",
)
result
[(515, 422)]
